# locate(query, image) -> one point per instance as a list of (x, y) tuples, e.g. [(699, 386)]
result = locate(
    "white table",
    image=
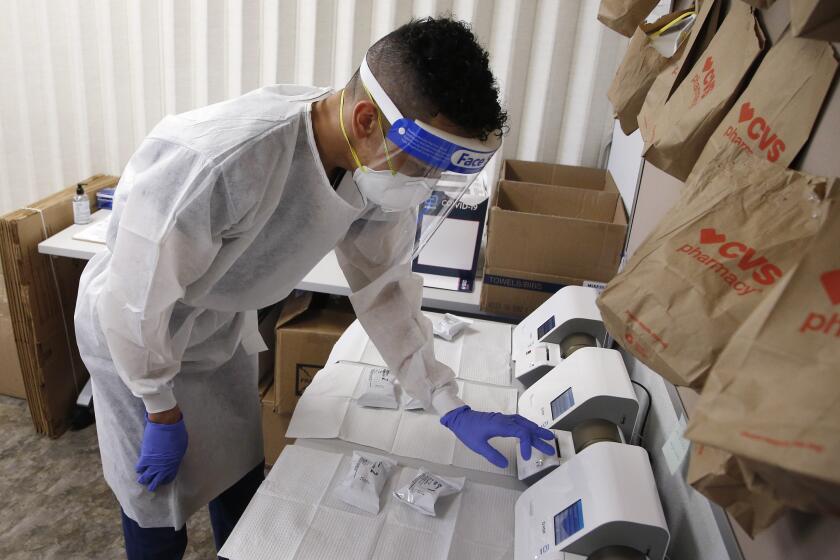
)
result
[(326, 277), (62, 243), (250, 539), (295, 514)]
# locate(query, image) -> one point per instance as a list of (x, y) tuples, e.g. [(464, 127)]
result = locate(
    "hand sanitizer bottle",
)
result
[(81, 206)]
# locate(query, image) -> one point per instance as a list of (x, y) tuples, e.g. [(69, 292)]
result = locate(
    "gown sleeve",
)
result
[(387, 297), (168, 233)]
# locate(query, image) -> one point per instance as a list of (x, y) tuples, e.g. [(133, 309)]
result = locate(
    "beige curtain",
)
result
[(85, 80)]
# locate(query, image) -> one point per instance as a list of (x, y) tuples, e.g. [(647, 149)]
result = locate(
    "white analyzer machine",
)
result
[(585, 392), (601, 504), (588, 396), (567, 321), (596, 502), (596, 496), (590, 384)]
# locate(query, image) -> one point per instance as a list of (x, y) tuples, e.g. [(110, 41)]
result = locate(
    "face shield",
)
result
[(420, 168)]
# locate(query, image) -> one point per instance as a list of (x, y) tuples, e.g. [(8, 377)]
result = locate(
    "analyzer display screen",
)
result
[(568, 522), (562, 403), (545, 328)]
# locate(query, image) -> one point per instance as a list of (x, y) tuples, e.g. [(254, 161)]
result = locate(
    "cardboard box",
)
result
[(540, 173), (308, 328), (274, 427), (565, 201), (11, 378), (42, 298), (550, 226), (268, 317)]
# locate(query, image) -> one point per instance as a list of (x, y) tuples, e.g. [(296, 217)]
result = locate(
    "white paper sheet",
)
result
[(481, 353), (97, 232), (496, 533), (318, 417), (275, 529), (328, 409), (490, 397), (295, 516), (338, 534), (420, 435), (485, 354), (373, 427), (306, 486)]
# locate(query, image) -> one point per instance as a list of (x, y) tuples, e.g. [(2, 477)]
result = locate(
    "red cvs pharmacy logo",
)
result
[(759, 130), (825, 323), (703, 82), (761, 271)]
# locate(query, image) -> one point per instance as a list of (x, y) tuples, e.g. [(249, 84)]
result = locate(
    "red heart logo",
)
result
[(747, 112), (831, 282), (708, 65), (710, 235)]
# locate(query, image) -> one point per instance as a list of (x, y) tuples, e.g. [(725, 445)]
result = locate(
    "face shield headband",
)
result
[(428, 169), (436, 148)]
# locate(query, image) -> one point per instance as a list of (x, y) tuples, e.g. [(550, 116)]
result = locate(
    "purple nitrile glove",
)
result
[(476, 428), (161, 452)]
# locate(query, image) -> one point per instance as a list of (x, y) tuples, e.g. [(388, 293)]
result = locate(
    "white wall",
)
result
[(84, 80)]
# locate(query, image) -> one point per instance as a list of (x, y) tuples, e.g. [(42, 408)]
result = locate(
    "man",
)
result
[(223, 210)]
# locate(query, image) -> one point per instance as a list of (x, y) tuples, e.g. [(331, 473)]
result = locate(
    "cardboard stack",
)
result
[(550, 226), (306, 330), (267, 322), (11, 379), (274, 425), (42, 297)]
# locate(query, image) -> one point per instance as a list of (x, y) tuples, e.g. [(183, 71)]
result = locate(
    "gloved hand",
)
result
[(161, 452), (475, 428)]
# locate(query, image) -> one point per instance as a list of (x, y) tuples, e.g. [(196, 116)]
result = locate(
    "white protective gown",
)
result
[(222, 211)]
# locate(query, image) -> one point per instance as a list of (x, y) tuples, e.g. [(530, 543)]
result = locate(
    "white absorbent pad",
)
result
[(480, 353), (295, 515), (328, 409)]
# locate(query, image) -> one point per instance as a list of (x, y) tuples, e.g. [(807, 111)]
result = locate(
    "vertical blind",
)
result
[(83, 81)]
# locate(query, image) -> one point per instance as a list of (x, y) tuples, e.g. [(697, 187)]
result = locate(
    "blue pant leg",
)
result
[(155, 543), (228, 507)]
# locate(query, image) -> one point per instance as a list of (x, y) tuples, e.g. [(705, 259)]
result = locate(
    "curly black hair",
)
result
[(435, 66)]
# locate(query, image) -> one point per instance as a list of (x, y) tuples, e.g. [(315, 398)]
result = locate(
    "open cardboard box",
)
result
[(569, 202), (558, 175), (550, 226)]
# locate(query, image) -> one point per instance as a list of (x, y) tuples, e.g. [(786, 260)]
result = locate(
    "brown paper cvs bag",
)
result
[(774, 116), (718, 475), (816, 19), (740, 225), (641, 65), (760, 3), (773, 397), (624, 16), (702, 30), (701, 101)]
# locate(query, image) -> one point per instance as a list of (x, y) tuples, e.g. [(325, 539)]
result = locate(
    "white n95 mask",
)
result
[(391, 191)]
